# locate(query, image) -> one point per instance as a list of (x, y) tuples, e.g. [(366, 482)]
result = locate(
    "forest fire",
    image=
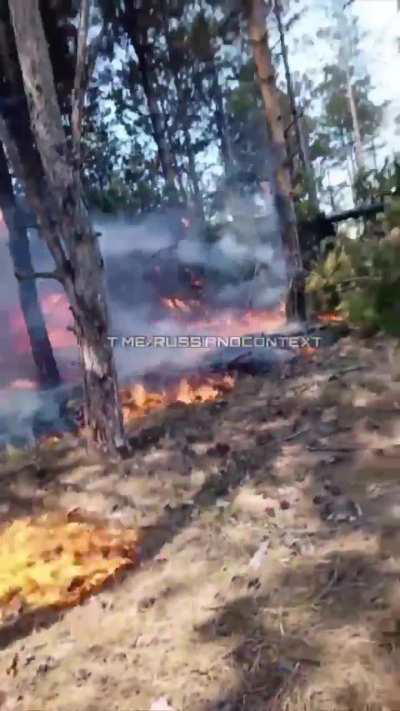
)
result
[(58, 319), (55, 561), (177, 305), (138, 401), (191, 313), (232, 322), (147, 395), (330, 317)]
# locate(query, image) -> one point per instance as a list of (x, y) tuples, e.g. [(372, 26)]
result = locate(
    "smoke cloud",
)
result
[(246, 269)]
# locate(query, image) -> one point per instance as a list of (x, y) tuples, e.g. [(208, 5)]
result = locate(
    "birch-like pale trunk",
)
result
[(358, 145)]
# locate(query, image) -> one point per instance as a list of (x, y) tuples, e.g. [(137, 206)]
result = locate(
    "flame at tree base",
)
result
[(139, 401)]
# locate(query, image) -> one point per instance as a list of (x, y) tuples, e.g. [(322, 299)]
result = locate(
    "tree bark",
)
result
[(65, 226), (42, 352), (281, 183)]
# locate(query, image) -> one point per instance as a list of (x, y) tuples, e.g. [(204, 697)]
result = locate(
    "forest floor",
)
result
[(270, 565)]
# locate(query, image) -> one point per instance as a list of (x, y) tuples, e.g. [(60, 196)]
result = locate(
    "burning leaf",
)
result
[(53, 561)]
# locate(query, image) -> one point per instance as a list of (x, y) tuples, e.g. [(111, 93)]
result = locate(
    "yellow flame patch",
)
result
[(54, 561)]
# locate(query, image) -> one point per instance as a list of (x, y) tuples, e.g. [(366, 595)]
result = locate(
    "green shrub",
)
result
[(360, 279)]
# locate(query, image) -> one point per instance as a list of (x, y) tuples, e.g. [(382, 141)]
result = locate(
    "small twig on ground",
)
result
[(275, 702), (380, 450), (350, 369), (294, 434), (311, 448), (327, 587)]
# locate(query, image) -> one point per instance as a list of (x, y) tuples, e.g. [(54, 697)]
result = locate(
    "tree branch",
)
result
[(78, 97), (34, 192), (25, 276)]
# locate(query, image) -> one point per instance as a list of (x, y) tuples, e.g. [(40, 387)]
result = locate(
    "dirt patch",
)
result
[(270, 562)]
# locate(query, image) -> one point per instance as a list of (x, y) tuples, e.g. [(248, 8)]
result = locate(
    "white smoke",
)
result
[(129, 248)]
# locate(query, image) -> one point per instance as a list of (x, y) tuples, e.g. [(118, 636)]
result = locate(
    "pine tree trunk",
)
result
[(64, 224), (42, 352), (283, 191)]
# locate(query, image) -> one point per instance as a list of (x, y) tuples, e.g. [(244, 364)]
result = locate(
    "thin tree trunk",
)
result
[(184, 118), (331, 192), (139, 40), (359, 152), (298, 121), (289, 85), (346, 38), (374, 156), (65, 225), (220, 122), (42, 352), (282, 187), (194, 179), (308, 166)]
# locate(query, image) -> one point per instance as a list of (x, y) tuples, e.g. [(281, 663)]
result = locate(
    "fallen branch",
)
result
[(311, 448), (350, 369), (295, 434), (332, 582), (351, 280), (276, 701)]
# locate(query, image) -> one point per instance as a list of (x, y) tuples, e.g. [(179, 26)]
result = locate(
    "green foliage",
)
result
[(372, 184), (361, 280), (392, 212)]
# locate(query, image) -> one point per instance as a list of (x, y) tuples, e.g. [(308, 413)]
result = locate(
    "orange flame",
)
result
[(138, 402), (330, 318), (178, 304), (54, 561), (227, 322)]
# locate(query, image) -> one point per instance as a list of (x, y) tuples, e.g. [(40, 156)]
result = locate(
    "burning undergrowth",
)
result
[(56, 560), (161, 279)]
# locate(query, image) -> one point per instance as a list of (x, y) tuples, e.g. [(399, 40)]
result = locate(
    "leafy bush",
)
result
[(360, 279)]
